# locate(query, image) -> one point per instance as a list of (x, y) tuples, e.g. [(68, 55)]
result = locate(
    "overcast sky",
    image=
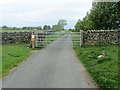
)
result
[(40, 12)]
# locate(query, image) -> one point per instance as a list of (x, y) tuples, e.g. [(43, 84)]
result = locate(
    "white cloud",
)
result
[(40, 12)]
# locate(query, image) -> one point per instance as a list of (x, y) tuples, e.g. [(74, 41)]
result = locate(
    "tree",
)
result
[(38, 28), (23, 28), (46, 27), (55, 27), (4, 26), (61, 24), (103, 15), (14, 28), (27, 28)]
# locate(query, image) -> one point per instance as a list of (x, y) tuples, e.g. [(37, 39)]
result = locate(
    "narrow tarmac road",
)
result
[(55, 66)]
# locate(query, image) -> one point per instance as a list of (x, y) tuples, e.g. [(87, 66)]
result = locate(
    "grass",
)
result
[(20, 30), (13, 55), (104, 71)]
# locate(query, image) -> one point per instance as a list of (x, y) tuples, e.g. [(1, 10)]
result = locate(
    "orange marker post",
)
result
[(33, 40)]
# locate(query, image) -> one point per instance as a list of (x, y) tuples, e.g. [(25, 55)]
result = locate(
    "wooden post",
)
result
[(36, 39), (46, 37), (33, 40), (81, 38)]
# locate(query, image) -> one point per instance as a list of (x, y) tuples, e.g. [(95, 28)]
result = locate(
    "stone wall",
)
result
[(15, 37), (89, 37), (101, 37)]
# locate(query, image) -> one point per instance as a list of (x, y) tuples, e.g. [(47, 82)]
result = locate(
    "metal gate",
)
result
[(56, 39)]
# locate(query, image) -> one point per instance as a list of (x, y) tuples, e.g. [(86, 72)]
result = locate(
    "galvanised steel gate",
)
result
[(56, 39)]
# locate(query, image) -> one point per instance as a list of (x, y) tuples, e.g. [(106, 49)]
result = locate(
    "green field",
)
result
[(104, 71), (13, 55), (20, 31)]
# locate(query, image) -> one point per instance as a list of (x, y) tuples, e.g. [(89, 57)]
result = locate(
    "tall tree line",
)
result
[(103, 15)]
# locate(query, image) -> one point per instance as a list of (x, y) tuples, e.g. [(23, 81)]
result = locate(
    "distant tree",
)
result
[(55, 27), (23, 28), (38, 28), (28, 28), (61, 24), (14, 28), (46, 27), (4, 26)]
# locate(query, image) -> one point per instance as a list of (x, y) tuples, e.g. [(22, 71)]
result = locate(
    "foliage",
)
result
[(46, 27), (32, 28), (4, 27), (55, 27), (60, 25), (103, 15)]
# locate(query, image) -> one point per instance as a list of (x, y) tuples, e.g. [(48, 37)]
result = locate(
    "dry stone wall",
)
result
[(89, 37), (19, 37), (101, 37), (15, 37)]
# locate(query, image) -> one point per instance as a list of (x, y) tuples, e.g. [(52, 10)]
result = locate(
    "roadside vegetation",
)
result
[(102, 16), (13, 55), (105, 70)]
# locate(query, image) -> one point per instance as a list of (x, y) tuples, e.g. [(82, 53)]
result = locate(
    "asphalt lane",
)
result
[(55, 66)]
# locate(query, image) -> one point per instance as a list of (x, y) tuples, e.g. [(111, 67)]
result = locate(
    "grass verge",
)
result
[(104, 71), (13, 55)]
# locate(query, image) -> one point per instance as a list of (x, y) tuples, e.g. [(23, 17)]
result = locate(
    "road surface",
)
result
[(55, 66)]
